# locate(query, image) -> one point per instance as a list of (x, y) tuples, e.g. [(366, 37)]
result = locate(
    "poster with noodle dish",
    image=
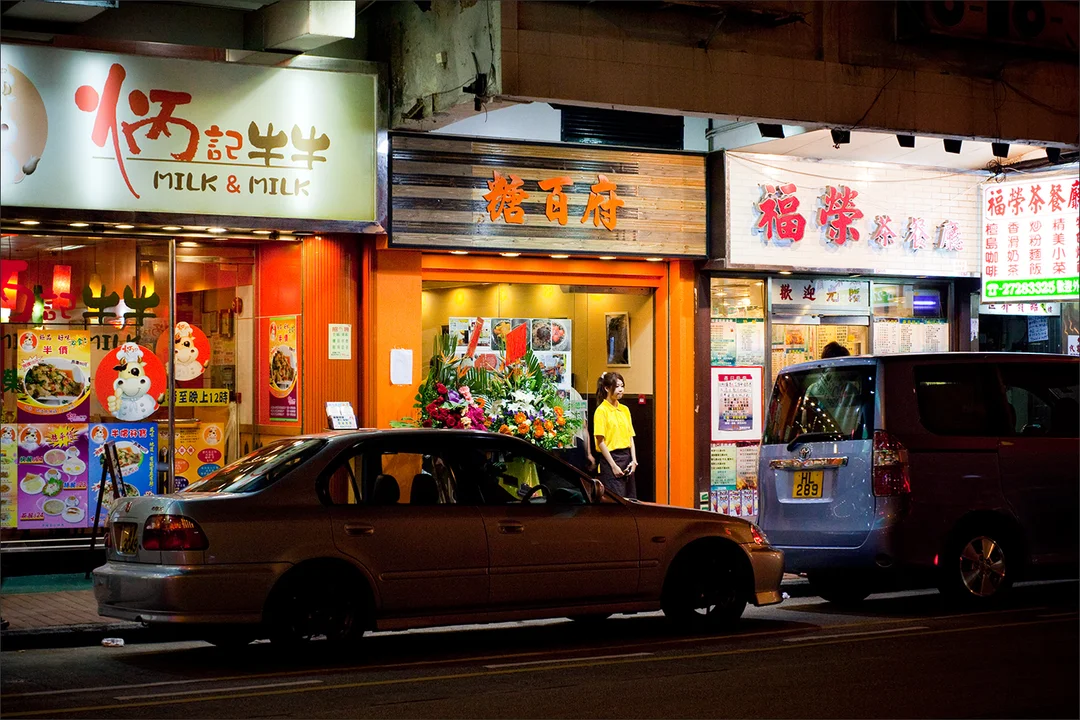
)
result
[(136, 447), (53, 376), (284, 369), (53, 466)]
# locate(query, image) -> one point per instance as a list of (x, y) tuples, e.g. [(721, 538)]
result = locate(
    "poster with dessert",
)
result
[(136, 448), (53, 376), (9, 498), (284, 369), (53, 464)]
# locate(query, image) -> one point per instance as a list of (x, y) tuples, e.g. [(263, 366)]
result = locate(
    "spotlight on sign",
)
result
[(952, 146), (840, 137), (906, 141), (771, 130), (1001, 150), (1053, 155)]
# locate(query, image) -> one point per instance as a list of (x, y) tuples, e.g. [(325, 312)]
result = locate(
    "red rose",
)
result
[(426, 423), (440, 388), (452, 421)]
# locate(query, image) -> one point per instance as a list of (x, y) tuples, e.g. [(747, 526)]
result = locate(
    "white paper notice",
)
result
[(400, 366)]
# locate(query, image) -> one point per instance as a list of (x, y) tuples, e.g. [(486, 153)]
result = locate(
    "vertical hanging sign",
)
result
[(284, 374)]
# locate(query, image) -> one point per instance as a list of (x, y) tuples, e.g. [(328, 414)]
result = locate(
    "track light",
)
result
[(952, 146), (1001, 150), (840, 137), (771, 130), (1053, 155), (906, 141)]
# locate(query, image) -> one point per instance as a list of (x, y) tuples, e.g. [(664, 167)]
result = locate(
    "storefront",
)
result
[(180, 271), (1030, 254), (805, 254), (589, 249)]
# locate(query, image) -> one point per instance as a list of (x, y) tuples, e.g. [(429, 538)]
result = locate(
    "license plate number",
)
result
[(807, 484), (128, 543)]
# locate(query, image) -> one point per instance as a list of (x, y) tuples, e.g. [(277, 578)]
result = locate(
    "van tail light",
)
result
[(173, 532), (891, 476)]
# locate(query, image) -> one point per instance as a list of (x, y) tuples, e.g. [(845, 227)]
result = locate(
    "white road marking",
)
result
[(567, 660), (1061, 614), (266, 686), (809, 638)]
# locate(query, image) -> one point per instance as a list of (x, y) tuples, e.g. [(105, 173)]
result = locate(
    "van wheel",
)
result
[(839, 588), (977, 568), (308, 606), (704, 592)]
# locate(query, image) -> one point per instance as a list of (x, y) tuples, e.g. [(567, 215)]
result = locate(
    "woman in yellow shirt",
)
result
[(613, 431)]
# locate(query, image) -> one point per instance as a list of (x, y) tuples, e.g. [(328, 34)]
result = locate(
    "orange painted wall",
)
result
[(279, 268)]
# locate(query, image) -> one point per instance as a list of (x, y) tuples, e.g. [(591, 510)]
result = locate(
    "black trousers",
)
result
[(625, 485)]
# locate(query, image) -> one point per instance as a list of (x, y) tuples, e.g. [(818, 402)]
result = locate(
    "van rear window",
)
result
[(835, 402)]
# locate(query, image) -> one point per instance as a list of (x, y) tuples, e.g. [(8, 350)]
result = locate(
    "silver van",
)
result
[(962, 469)]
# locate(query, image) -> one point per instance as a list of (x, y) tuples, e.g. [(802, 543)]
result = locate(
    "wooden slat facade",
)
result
[(438, 183)]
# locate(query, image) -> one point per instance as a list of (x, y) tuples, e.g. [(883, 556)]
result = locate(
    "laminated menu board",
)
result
[(136, 448), (737, 341), (910, 335), (736, 403), (52, 471)]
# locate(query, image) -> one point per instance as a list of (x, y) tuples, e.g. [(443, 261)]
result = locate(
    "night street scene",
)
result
[(539, 359)]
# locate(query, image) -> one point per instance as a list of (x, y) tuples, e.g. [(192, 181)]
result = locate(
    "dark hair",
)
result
[(606, 384), (834, 349)]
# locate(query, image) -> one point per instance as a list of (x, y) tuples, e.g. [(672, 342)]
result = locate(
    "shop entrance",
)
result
[(801, 338)]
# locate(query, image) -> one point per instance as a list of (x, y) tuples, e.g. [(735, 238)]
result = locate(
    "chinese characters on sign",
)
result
[(505, 195), (778, 208), (818, 293), (1031, 240), (340, 341)]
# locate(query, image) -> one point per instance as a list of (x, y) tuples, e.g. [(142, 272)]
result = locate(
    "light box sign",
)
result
[(801, 296), (1030, 232), (88, 130), (494, 195)]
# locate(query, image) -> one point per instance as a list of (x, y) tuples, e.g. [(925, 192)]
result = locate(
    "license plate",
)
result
[(807, 484), (128, 543)]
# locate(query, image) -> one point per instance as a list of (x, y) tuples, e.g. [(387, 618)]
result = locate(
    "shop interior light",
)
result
[(65, 248), (171, 228), (188, 243), (785, 272), (124, 226), (459, 252), (61, 279), (216, 230), (29, 222), (559, 257), (78, 224), (510, 254), (654, 259), (1000, 149), (607, 257), (95, 285), (38, 314), (146, 279), (261, 232)]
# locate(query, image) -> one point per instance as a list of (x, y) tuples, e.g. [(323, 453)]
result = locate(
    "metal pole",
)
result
[(172, 367)]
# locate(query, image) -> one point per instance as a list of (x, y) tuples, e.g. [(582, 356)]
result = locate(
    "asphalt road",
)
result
[(898, 655)]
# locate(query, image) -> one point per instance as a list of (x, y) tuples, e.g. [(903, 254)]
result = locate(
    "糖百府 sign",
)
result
[(1030, 233), (133, 133)]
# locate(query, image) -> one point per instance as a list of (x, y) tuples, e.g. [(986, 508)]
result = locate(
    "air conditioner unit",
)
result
[(1044, 24)]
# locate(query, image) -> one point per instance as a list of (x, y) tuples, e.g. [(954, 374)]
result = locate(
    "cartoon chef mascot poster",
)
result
[(130, 382)]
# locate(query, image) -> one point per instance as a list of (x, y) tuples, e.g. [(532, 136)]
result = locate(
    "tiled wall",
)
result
[(896, 191)]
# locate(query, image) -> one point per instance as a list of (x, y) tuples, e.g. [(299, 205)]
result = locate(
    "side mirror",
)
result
[(597, 490)]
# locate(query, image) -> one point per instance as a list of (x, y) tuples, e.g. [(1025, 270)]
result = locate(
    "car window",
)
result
[(836, 401), (259, 469), (1042, 398), (512, 476), (958, 399), (384, 476)]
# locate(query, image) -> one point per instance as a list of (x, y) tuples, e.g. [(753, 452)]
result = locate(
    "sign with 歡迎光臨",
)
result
[(801, 294), (146, 134)]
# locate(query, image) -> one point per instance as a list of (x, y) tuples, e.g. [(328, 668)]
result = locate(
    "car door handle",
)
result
[(511, 528), (354, 529)]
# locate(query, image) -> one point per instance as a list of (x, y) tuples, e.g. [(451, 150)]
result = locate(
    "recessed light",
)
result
[(188, 243), (607, 257), (785, 272), (66, 248), (78, 224), (459, 252), (29, 222), (124, 226), (171, 228), (216, 230), (261, 232), (654, 259), (559, 257), (510, 254)]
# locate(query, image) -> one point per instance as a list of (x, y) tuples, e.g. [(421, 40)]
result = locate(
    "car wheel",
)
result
[(704, 592), (977, 568), (839, 588), (307, 607)]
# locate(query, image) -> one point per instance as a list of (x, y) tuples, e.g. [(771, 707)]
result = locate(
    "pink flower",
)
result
[(464, 390)]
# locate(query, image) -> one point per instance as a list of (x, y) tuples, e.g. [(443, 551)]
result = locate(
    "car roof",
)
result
[(412, 433), (949, 357)]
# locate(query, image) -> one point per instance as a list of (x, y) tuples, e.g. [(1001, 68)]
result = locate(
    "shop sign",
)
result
[(1036, 308), (284, 369), (340, 341), (784, 213), (201, 397), (807, 295), (136, 448), (134, 133), (492, 195), (53, 376), (1031, 240)]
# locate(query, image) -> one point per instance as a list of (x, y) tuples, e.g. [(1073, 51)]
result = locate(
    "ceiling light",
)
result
[(785, 272), (261, 232), (171, 228), (66, 248), (654, 259), (607, 257), (29, 222), (770, 130), (217, 230), (559, 257), (1000, 150), (840, 137), (510, 254), (459, 252), (906, 141), (124, 226), (78, 224), (188, 243), (952, 146)]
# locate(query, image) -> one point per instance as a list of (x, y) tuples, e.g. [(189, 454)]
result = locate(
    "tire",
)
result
[(705, 592), (978, 567), (309, 606), (844, 589)]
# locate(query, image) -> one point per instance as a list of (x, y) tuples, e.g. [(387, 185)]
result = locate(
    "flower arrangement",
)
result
[(527, 405), (446, 399), (455, 409)]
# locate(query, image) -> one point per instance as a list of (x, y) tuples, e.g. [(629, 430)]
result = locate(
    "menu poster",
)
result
[(199, 451), (52, 472), (543, 334), (910, 335), (722, 465), (556, 367), (53, 376), (9, 498), (723, 347), (737, 341), (746, 465), (284, 370), (1038, 329), (136, 448), (736, 403)]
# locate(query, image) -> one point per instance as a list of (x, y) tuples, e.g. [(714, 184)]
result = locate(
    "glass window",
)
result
[(835, 403), (957, 399), (1042, 398), (260, 469), (388, 477), (508, 476)]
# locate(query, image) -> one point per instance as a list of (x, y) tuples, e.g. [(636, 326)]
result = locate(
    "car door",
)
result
[(556, 546), (1040, 474), (425, 551)]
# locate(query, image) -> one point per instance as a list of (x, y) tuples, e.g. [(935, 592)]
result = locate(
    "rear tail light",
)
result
[(757, 535), (173, 532), (890, 466)]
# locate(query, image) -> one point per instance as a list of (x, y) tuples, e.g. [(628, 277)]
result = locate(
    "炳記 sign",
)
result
[(145, 134)]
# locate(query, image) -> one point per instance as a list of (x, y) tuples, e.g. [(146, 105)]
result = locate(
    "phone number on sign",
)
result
[(1032, 288)]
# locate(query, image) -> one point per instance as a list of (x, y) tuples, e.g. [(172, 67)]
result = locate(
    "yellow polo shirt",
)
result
[(614, 425)]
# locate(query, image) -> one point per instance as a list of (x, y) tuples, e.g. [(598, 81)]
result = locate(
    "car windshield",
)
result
[(834, 402), (260, 469)]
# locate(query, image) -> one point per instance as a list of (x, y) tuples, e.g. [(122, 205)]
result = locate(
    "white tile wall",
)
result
[(895, 191)]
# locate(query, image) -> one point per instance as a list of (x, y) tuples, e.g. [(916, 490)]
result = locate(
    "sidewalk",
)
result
[(51, 611)]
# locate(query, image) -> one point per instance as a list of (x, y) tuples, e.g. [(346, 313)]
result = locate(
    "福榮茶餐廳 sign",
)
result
[(86, 130)]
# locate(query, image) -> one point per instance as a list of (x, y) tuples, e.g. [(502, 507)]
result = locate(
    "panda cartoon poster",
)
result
[(130, 382), (191, 348)]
